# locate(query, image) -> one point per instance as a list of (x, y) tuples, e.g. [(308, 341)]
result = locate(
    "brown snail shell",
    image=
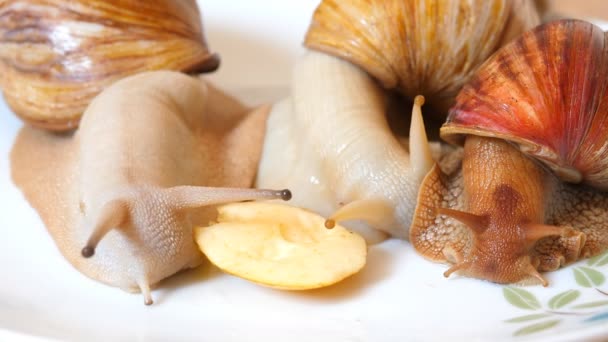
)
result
[(553, 108), (505, 216), (420, 47), (55, 55)]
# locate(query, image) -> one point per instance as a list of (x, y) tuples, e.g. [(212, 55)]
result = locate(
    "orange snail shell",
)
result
[(548, 94), (56, 55), (428, 47)]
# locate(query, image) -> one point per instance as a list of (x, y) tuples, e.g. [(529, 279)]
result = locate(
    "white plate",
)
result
[(398, 296)]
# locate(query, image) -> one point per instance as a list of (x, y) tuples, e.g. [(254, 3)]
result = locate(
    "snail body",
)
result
[(121, 195), (318, 147), (532, 121), (56, 55)]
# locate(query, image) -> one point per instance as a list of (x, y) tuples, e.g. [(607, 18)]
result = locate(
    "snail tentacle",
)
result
[(537, 231), (533, 272), (113, 215), (144, 287), (420, 151), (372, 211), (477, 223), (183, 197), (457, 267)]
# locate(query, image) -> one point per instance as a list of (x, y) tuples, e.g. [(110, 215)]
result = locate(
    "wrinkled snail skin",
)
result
[(531, 195), (330, 142), (56, 55), (121, 195)]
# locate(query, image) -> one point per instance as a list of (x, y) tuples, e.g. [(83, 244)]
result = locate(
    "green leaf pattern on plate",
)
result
[(599, 260), (527, 318), (560, 307), (588, 277), (536, 327), (521, 298), (593, 304), (563, 299)]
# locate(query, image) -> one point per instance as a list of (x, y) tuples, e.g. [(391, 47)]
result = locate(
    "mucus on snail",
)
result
[(153, 154), (533, 122)]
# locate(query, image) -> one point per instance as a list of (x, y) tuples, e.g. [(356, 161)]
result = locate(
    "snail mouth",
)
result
[(498, 269)]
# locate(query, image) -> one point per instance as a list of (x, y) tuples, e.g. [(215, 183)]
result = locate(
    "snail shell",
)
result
[(427, 47), (55, 55), (548, 94)]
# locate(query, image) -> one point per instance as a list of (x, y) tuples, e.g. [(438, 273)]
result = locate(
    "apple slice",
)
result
[(280, 246)]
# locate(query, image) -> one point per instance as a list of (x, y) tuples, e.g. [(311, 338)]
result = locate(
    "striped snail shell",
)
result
[(55, 55)]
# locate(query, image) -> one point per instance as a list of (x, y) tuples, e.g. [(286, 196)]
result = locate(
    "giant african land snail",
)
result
[(331, 141), (56, 55), (129, 185), (534, 117)]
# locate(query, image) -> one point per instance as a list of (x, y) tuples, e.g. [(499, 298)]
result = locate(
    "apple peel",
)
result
[(280, 246)]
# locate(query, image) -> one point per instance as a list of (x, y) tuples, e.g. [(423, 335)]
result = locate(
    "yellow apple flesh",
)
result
[(280, 246)]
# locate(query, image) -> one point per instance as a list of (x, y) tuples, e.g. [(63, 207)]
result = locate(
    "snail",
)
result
[(56, 55), (531, 194), (332, 142), (121, 195)]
